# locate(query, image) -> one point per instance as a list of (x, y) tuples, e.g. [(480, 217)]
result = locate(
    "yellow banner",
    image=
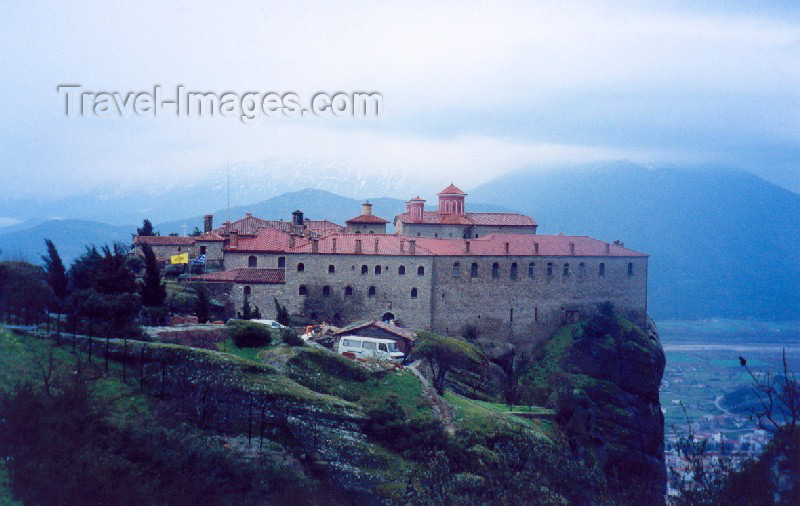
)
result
[(179, 259)]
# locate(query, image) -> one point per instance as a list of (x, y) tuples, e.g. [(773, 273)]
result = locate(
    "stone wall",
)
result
[(393, 291), (366, 228), (525, 309), (529, 309)]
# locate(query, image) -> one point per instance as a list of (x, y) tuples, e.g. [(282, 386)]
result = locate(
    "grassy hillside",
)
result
[(351, 434)]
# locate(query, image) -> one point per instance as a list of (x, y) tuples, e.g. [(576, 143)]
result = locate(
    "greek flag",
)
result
[(199, 260)]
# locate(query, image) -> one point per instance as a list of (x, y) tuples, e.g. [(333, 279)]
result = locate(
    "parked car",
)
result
[(270, 323), (369, 348)]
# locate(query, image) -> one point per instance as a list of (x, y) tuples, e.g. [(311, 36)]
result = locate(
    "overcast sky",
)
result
[(471, 90)]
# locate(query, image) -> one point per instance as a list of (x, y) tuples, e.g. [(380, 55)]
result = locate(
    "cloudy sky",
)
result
[(471, 90)]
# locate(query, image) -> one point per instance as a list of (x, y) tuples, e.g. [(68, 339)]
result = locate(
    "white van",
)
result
[(370, 348), (270, 323)]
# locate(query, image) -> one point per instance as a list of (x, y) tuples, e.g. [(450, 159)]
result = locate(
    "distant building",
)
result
[(452, 221), (366, 223), (442, 270)]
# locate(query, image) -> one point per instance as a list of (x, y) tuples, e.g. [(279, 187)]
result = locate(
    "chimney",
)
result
[(376, 246), (366, 208), (402, 245), (508, 247), (248, 215), (535, 248), (358, 245), (466, 246), (315, 246), (608, 248), (291, 241), (208, 223), (234, 239), (297, 217), (572, 248), (333, 246), (415, 208), (412, 246)]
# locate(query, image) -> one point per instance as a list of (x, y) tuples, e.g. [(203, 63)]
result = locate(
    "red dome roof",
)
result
[(452, 190)]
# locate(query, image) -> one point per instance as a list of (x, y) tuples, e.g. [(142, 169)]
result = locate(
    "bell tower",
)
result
[(451, 200)]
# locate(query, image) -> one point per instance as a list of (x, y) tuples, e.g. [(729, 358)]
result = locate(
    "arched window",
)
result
[(495, 270), (331, 269), (630, 268), (247, 291), (326, 291), (601, 269), (252, 261), (364, 269), (420, 271), (303, 290), (301, 267), (348, 291), (549, 269), (401, 270), (473, 270), (281, 262), (377, 270), (566, 270), (514, 270), (531, 270), (581, 269), (414, 293), (456, 270), (371, 291)]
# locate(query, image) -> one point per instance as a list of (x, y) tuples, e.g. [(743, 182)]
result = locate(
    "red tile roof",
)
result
[(490, 245), (487, 219), (392, 329), (265, 240), (387, 244), (324, 227), (367, 218), (244, 276), (452, 190), (524, 245), (209, 236), (250, 225), (163, 240)]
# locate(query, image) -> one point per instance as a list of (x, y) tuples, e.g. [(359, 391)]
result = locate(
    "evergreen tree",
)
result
[(281, 312), (153, 290), (104, 287), (246, 312), (256, 313), (202, 305), (196, 232), (57, 279), (146, 229)]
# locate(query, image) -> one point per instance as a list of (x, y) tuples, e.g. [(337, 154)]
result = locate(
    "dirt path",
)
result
[(442, 409)]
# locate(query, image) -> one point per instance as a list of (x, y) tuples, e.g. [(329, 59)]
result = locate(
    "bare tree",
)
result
[(778, 396)]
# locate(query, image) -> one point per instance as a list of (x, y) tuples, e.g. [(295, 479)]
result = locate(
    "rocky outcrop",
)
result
[(607, 402)]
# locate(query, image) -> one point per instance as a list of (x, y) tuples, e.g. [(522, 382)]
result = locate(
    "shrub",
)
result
[(389, 425), (291, 337), (248, 334)]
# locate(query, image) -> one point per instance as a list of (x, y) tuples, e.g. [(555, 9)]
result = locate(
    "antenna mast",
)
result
[(229, 186)]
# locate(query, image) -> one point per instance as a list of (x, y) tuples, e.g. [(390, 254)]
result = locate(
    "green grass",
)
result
[(406, 386), (476, 417), (504, 408), (227, 346)]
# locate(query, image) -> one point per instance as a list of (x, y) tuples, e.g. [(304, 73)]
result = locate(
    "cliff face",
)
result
[(606, 396)]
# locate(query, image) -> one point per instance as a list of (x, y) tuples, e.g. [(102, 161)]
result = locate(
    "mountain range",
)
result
[(721, 243)]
